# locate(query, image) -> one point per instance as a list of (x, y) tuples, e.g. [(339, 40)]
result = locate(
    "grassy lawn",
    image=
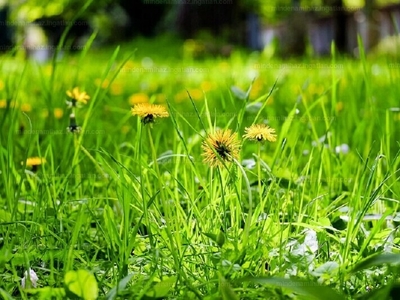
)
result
[(127, 206)]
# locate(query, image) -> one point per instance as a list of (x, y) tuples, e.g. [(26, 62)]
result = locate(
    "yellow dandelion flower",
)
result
[(26, 107), (77, 97), (181, 96), (148, 112), (116, 88), (58, 113), (104, 84), (196, 94), (130, 64), (1, 85), (220, 146), (255, 92), (161, 98), (138, 98), (35, 161), (44, 113), (3, 103), (223, 66), (260, 133), (125, 129), (339, 106), (207, 86)]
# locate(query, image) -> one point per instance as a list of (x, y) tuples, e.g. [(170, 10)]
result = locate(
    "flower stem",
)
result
[(165, 204), (145, 208), (259, 170), (250, 212)]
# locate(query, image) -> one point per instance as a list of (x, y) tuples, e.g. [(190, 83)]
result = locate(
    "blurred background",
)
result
[(283, 28)]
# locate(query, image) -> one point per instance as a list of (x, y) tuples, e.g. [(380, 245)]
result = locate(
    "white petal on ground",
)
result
[(33, 278), (343, 148)]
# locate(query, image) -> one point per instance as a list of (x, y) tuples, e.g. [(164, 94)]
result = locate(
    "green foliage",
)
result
[(81, 283), (36, 9)]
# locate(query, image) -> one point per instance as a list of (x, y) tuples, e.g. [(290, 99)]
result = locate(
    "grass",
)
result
[(126, 210)]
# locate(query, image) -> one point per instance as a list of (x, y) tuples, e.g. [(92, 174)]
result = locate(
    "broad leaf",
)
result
[(377, 260), (82, 284), (310, 290), (112, 294), (161, 289), (226, 290)]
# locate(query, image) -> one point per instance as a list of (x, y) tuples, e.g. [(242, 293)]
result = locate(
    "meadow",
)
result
[(181, 200)]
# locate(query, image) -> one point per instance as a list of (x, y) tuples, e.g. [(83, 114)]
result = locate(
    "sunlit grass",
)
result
[(130, 199)]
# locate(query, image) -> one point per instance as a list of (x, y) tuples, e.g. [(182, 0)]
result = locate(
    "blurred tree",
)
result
[(225, 21), (298, 13), (144, 17), (5, 29), (119, 19)]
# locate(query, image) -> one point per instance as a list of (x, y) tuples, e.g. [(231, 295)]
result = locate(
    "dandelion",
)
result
[(339, 106), (58, 113), (116, 88), (35, 161), (207, 86), (221, 145), (26, 107), (77, 97), (73, 128), (260, 133), (148, 112), (104, 84), (196, 94), (138, 98), (181, 96)]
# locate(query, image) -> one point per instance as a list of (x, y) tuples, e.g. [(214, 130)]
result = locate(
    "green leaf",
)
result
[(111, 227), (5, 216), (161, 289), (47, 293), (82, 284), (329, 268), (211, 236), (219, 239), (325, 221), (5, 295), (226, 289), (310, 290), (112, 294), (377, 260)]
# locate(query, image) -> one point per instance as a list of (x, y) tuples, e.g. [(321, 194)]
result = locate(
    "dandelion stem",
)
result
[(145, 211), (78, 177), (222, 197), (259, 169), (165, 204), (249, 215)]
